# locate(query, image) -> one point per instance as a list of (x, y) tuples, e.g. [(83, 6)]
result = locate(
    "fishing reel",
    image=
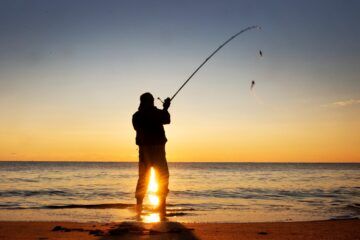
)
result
[(160, 100)]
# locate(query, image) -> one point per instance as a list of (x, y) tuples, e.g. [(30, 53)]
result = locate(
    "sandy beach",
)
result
[(332, 229)]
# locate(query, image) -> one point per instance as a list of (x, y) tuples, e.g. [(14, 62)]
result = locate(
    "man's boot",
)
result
[(162, 209), (138, 206)]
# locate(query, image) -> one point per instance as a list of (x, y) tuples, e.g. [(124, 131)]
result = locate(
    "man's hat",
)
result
[(146, 98)]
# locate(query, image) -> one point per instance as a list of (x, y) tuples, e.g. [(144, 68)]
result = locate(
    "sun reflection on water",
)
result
[(151, 218)]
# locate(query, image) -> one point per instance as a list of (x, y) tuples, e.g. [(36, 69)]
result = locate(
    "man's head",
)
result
[(146, 101)]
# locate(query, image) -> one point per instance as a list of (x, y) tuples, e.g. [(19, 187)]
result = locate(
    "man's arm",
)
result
[(165, 114), (135, 122)]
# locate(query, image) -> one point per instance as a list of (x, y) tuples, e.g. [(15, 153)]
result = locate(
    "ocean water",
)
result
[(199, 192)]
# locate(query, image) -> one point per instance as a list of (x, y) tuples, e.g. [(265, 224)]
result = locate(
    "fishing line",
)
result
[(210, 56)]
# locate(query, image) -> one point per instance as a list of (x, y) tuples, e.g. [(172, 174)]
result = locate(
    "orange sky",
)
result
[(322, 134)]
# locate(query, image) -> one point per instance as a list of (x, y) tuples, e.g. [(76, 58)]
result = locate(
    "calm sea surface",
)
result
[(199, 192)]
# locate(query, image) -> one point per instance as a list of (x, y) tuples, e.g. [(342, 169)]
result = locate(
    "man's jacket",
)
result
[(148, 124)]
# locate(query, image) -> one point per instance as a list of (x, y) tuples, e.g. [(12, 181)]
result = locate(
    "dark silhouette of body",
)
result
[(148, 122)]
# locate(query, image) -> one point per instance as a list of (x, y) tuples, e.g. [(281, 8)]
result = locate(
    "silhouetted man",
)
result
[(148, 122)]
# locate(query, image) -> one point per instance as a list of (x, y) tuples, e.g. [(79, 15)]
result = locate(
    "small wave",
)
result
[(354, 208), (177, 214), (91, 206), (89, 194), (173, 208), (113, 205), (268, 194), (17, 180), (344, 217), (9, 206), (28, 193)]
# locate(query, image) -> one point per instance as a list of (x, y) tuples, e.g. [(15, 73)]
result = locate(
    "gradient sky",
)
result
[(71, 73)]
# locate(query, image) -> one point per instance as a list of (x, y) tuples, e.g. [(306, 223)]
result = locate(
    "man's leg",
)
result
[(162, 173), (143, 180)]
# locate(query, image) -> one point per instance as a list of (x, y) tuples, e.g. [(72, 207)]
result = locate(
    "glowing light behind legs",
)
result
[(153, 198), (153, 188)]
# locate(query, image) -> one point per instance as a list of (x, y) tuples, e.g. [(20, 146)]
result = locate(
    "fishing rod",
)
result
[(207, 59)]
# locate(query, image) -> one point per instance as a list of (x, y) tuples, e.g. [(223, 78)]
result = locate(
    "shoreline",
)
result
[(182, 222), (326, 229), (190, 162)]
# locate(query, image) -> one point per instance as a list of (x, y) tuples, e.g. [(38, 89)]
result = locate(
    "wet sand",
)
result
[(332, 229)]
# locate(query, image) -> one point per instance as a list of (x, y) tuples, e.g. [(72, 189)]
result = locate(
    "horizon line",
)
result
[(112, 161)]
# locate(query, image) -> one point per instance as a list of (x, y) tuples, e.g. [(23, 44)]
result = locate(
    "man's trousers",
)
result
[(152, 156)]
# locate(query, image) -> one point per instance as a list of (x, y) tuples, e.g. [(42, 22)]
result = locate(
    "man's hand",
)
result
[(166, 103)]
